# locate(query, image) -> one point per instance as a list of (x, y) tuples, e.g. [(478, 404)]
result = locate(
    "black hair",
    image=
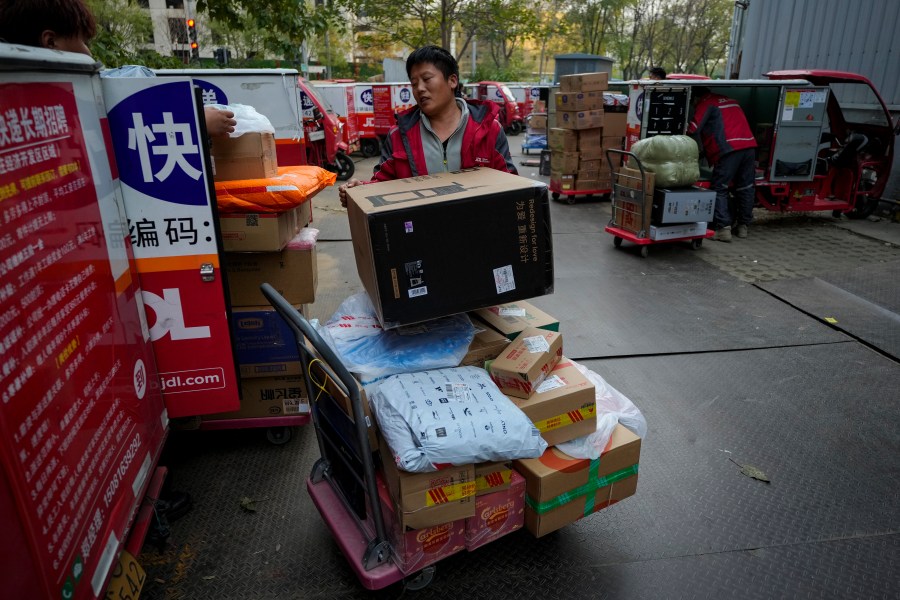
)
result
[(436, 56), (698, 91), (23, 21), (658, 72)]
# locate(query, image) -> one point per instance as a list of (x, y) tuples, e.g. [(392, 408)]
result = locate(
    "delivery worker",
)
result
[(69, 26), (443, 132), (721, 129)]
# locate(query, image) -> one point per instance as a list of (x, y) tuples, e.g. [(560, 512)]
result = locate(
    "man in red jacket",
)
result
[(443, 132), (719, 125)]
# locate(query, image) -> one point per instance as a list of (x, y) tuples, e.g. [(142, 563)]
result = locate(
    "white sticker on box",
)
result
[(536, 343), (458, 392), (508, 311), (551, 383), (418, 291), (504, 279)]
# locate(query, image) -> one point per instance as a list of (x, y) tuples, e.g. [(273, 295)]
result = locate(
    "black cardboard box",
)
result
[(437, 245)]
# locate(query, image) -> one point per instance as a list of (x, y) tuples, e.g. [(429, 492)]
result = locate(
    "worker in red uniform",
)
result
[(721, 129), (443, 132)]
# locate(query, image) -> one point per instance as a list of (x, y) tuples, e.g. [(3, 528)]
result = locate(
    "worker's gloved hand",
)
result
[(219, 122), (342, 191)]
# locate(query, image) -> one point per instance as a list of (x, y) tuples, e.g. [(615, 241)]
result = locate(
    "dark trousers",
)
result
[(740, 167)]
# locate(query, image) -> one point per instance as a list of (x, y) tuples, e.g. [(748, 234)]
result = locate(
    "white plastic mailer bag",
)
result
[(612, 407), (456, 416), (248, 119)]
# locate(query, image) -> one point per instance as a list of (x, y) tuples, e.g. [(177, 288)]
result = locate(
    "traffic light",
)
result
[(192, 38)]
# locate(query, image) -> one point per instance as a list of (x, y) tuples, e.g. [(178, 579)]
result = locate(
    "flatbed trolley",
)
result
[(569, 195), (628, 199), (535, 139), (342, 483)]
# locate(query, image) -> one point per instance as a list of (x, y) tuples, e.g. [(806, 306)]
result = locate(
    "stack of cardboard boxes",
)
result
[(259, 248), (581, 134)]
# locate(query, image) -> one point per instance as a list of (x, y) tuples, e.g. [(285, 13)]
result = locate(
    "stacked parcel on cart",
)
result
[(459, 253), (264, 213), (673, 207), (586, 124)]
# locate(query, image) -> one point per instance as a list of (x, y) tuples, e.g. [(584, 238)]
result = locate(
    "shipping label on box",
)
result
[(429, 499), (249, 156), (674, 232), (269, 397), (514, 317), (403, 230), (560, 489), (584, 82), (293, 273), (564, 162), (574, 101), (563, 140), (526, 362), (497, 514), (564, 406), (586, 119)]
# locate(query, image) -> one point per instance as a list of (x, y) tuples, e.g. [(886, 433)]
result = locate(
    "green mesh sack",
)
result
[(674, 158)]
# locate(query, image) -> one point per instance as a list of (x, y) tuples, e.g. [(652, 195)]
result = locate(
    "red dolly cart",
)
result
[(556, 192), (343, 483), (629, 203)]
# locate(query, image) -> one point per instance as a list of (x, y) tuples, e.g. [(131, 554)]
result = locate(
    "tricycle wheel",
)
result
[(370, 148), (645, 251), (345, 166), (617, 242), (555, 195), (420, 580), (864, 208), (515, 128), (695, 244), (570, 200)]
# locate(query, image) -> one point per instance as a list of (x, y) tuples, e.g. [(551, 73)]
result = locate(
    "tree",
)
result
[(413, 24), (123, 32), (594, 20)]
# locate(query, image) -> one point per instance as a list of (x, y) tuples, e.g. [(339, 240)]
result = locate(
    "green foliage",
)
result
[(123, 29)]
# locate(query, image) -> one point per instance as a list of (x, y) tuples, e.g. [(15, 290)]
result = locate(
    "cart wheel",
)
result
[(645, 251), (555, 195), (695, 244), (420, 580), (570, 200), (617, 242), (524, 150), (278, 435)]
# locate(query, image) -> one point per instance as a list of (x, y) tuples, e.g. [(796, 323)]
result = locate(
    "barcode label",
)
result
[(507, 311), (551, 383), (536, 343), (418, 291), (251, 220), (504, 279), (457, 391)]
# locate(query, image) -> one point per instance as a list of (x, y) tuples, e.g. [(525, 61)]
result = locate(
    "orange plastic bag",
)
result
[(291, 187)]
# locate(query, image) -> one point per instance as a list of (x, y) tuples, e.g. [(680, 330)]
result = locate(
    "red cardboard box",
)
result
[(497, 514)]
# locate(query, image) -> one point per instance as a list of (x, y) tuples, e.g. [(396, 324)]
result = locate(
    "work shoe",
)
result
[(742, 230), (723, 234)]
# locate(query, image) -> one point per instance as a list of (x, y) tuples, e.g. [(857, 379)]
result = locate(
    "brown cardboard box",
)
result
[(555, 473), (592, 164), (514, 317), (585, 119), (538, 106), (579, 100), (562, 181), (562, 140), (538, 122), (492, 477), (628, 212), (526, 362), (269, 397), (583, 184), (249, 156), (564, 405), (614, 124), (291, 272), (262, 232), (487, 344), (564, 162), (612, 141), (584, 82), (429, 499)]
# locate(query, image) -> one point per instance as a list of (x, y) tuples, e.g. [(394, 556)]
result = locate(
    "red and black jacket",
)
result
[(721, 125)]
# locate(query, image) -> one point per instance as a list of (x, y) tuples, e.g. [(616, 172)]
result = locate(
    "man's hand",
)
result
[(219, 122), (342, 191)]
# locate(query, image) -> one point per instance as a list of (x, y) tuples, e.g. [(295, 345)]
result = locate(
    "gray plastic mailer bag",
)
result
[(674, 158)]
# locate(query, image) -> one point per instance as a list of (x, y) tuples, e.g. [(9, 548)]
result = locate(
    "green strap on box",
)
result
[(589, 489)]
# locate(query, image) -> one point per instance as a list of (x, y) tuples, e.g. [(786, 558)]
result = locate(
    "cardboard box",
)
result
[(249, 156), (262, 232), (574, 101), (537, 123), (674, 232), (487, 344), (564, 162), (414, 550), (292, 273), (562, 181), (269, 397), (526, 362), (612, 141), (428, 499), (683, 205), (584, 82), (512, 318), (420, 253), (631, 209), (263, 343), (560, 489), (585, 119), (497, 514), (492, 477), (592, 164), (614, 124), (586, 184), (564, 405), (562, 140)]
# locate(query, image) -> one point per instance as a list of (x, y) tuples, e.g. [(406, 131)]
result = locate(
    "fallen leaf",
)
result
[(248, 504), (209, 577), (751, 471)]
